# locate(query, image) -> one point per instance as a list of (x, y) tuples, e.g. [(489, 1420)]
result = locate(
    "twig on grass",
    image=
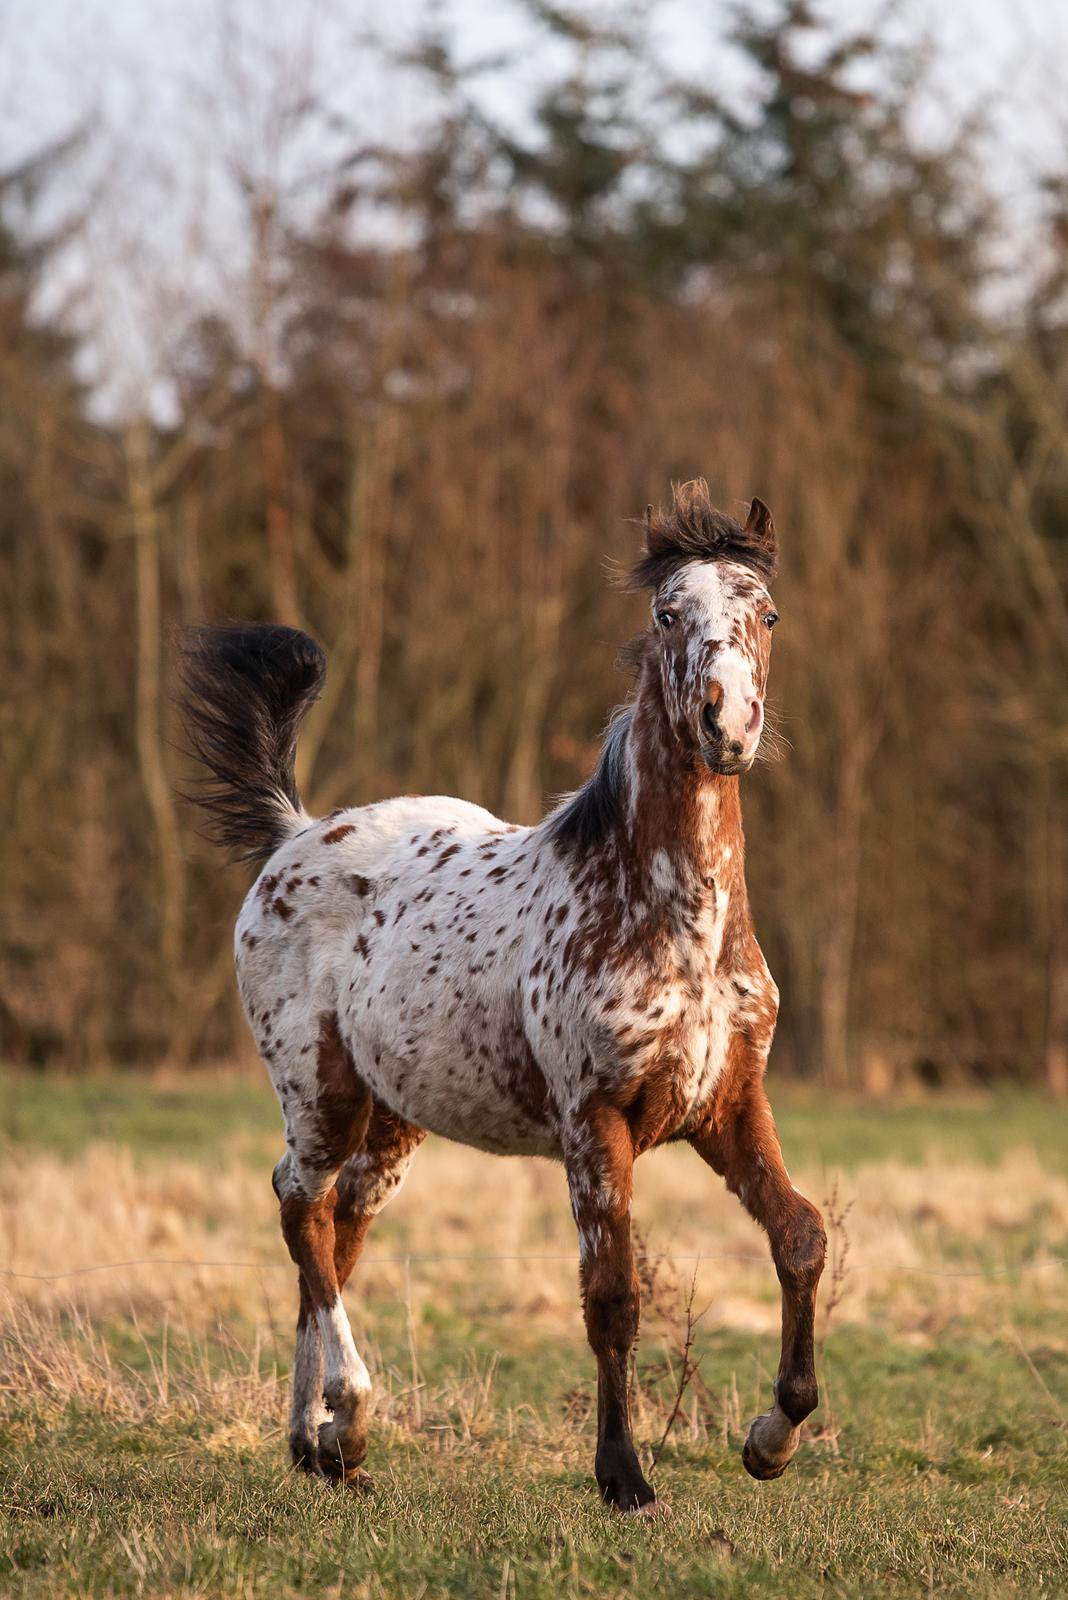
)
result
[(661, 1290), (835, 1212), (687, 1368)]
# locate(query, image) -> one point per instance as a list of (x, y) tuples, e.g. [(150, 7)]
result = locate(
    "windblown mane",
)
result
[(693, 530), (584, 819)]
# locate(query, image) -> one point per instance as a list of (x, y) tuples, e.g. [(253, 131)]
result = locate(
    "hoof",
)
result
[(758, 1468), (621, 1480), (358, 1481), (341, 1449), (343, 1439), (651, 1511), (304, 1454), (770, 1445), (633, 1497)]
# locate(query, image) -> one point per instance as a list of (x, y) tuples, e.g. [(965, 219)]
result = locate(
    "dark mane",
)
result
[(693, 530), (584, 819)]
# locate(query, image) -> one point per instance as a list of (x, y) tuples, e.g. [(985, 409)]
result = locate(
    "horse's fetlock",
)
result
[(798, 1397), (345, 1398)]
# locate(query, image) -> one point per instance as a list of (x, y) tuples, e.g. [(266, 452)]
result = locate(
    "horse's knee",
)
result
[(613, 1308), (800, 1248)]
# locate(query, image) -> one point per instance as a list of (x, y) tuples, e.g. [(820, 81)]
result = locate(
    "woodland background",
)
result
[(438, 384)]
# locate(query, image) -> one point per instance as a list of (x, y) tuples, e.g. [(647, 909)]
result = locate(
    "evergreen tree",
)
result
[(819, 186)]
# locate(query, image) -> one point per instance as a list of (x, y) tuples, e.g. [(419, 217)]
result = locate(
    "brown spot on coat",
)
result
[(335, 835)]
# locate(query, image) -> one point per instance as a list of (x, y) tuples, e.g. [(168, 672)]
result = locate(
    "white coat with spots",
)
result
[(584, 989)]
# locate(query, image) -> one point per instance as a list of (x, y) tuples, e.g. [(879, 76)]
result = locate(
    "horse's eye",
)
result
[(665, 618), (771, 619)]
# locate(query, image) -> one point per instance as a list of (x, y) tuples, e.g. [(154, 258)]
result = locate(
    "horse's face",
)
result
[(712, 623)]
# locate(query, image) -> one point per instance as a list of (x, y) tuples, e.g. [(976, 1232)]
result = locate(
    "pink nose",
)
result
[(736, 727)]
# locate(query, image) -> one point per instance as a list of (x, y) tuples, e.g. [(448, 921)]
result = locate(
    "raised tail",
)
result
[(246, 688)]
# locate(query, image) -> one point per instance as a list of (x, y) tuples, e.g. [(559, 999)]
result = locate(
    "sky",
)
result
[(160, 80), (132, 58)]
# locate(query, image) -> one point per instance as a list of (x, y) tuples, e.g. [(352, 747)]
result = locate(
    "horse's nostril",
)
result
[(709, 718)]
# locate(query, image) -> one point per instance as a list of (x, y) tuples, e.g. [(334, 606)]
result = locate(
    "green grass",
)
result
[(194, 1117), (142, 1444), (949, 1478), (201, 1114)]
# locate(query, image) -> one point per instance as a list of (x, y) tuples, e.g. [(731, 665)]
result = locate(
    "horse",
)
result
[(586, 989)]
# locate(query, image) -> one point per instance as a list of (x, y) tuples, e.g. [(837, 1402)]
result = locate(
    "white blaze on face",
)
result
[(719, 605)]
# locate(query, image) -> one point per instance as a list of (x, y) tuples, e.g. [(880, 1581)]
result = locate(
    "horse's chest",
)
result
[(682, 1035), (694, 1051), (672, 1060)]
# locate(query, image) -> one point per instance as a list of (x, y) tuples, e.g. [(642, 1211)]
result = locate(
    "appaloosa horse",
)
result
[(586, 989)]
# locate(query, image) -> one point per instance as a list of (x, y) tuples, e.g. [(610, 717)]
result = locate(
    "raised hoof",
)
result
[(756, 1467), (770, 1445)]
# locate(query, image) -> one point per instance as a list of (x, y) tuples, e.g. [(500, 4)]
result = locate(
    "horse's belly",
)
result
[(461, 1076)]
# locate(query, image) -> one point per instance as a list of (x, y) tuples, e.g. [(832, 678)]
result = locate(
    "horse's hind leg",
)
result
[(327, 1113), (742, 1144), (367, 1182), (333, 1446), (308, 1409)]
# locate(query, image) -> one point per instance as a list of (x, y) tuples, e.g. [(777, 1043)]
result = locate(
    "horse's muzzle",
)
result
[(726, 762)]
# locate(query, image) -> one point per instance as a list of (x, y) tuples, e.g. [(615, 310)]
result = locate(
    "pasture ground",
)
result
[(142, 1407)]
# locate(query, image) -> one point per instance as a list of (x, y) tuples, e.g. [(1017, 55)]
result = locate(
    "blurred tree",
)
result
[(55, 711), (422, 438), (818, 184)]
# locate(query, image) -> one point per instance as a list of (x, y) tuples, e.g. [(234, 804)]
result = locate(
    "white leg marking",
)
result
[(343, 1436), (346, 1375)]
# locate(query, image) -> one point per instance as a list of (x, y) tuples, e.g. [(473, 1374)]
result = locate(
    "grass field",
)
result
[(143, 1406)]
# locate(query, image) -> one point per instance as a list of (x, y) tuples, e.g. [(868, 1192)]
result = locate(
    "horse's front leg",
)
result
[(599, 1155), (741, 1142)]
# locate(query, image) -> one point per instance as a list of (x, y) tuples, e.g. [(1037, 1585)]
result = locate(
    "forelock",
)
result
[(694, 530)]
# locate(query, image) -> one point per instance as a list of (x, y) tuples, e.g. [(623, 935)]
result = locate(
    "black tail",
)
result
[(246, 689)]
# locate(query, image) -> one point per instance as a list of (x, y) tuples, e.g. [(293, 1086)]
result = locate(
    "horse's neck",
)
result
[(683, 823)]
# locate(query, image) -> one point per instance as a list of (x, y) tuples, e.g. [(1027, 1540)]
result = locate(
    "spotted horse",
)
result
[(585, 989)]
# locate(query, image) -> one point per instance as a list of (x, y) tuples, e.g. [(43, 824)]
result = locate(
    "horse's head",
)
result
[(712, 618)]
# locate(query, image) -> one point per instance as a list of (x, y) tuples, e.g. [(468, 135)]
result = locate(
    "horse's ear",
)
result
[(659, 537), (760, 525)]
